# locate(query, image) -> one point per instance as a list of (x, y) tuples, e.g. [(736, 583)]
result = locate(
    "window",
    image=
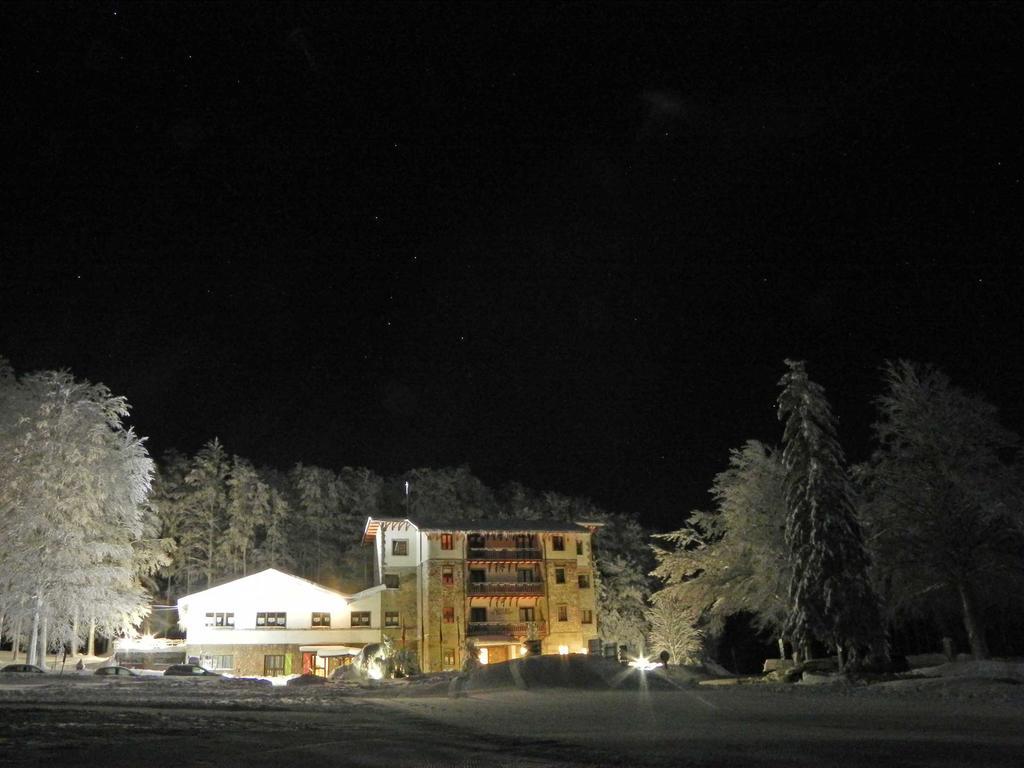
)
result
[(222, 662), (527, 614), (584, 580), (449, 615), (390, 618), (279, 619), (360, 618), (559, 575), (220, 620), (321, 619), (476, 541), (477, 614), (400, 547), (563, 613), (273, 664), (588, 617), (391, 580), (449, 658), (524, 575), (447, 541), (558, 543), (579, 546), (477, 575), (447, 575)]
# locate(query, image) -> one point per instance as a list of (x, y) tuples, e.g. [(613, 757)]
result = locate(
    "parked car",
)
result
[(189, 670), (115, 670), (307, 679), (20, 669)]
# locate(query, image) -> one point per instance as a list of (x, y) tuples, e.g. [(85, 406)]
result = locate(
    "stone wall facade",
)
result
[(248, 660)]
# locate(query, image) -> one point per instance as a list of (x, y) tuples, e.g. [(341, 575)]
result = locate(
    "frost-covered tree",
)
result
[(622, 560), (248, 507), (830, 594), (206, 505), (943, 502), (674, 629), (74, 523), (734, 558)]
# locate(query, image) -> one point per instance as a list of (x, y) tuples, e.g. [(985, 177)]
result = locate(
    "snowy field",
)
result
[(963, 715)]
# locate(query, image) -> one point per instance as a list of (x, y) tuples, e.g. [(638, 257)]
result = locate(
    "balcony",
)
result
[(506, 588), (515, 629), (491, 553)]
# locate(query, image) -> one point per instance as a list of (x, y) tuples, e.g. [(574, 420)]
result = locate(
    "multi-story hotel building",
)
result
[(500, 583)]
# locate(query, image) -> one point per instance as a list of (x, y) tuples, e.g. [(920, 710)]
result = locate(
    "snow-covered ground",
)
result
[(560, 712)]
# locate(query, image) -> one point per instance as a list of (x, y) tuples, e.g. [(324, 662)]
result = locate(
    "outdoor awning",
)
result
[(482, 641), (325, 651)]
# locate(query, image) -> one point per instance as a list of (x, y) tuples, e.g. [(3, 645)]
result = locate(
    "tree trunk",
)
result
[(16, 640), (782, 648), (972, 623), (92, 637), (33, 643), (74, 635), (840, 657), (43, 642)]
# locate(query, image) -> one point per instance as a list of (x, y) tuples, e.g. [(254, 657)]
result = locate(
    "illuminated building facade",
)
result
[(500, 584)]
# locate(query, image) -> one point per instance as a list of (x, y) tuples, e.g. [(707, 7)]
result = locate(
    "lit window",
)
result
[(449, 615), (584, 580), (449, 658), (321, 619), (391, 580), (447, 541), (559, 575), (360, 618), (563, 613), (527, 614), (558, 543), (400, 547), (390, 618), (272, 619), (447, 575)]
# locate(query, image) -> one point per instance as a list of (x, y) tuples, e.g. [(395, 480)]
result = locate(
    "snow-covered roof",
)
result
[(260, 580), (511, 526)]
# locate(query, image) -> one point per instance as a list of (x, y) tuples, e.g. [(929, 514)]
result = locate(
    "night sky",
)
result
[(566, 244)]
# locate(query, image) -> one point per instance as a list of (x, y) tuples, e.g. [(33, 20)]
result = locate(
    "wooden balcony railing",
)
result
[(506, 588), (518, 629), (487, 553)]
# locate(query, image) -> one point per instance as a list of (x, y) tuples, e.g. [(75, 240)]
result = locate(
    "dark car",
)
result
[(188, 670), (118, 671), (307, 679), (21, 668)]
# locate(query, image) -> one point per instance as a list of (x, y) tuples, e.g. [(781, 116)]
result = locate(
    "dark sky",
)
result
[(565, 244)]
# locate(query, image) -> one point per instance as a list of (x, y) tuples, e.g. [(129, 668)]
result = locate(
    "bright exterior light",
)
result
[(643, 664), (522, 650), (563, 650), (483, 655), (373, 671)]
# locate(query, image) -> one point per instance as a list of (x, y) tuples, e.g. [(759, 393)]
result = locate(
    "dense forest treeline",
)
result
[(228, 518), (923, 540)]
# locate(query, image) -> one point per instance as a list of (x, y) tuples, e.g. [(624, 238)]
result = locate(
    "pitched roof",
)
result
[(261, 576), (433, 525)]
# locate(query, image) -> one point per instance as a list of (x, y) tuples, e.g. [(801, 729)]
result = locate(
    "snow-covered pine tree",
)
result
[(674, 629), (207, 508), (831, 598), (247, 509)]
